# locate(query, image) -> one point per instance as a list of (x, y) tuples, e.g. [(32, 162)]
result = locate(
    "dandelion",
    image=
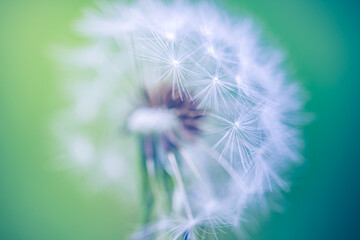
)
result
[(209, 109)]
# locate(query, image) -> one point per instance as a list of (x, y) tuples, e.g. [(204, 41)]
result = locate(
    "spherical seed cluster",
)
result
[(217, 118)]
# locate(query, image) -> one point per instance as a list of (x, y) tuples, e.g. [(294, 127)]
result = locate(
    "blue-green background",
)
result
[(37, 202)]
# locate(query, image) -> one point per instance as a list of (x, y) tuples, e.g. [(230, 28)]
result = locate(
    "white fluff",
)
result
[(250, 134), (148, 120)]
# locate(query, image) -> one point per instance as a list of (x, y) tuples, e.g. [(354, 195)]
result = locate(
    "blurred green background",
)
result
[(322, 41)]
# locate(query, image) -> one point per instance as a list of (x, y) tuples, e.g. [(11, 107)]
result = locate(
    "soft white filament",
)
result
[(147, 120)]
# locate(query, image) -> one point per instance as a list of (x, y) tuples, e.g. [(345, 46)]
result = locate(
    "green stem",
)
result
[(148, 195)]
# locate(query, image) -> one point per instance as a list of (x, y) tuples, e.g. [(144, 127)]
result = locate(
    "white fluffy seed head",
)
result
[(249, 132)]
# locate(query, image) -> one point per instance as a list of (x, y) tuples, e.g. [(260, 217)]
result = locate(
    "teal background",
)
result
[(38, 202)]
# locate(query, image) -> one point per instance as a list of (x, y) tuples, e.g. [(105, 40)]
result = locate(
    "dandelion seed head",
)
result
[(216, 114)]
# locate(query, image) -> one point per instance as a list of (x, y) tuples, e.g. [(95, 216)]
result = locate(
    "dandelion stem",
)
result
[(178, 178), (148, 194)]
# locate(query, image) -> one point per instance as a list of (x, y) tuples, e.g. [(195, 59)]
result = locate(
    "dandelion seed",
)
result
[(215, 119)]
